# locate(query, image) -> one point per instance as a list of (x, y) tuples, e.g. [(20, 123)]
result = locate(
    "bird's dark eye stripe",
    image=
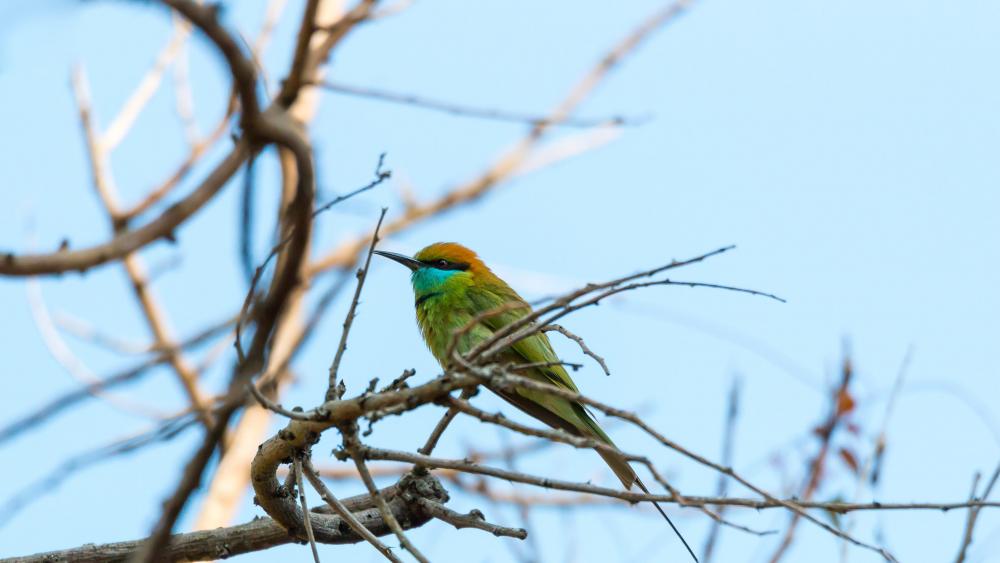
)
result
[(443, 264)]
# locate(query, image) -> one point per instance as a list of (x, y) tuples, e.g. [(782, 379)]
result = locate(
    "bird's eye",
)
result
[(442, 263)]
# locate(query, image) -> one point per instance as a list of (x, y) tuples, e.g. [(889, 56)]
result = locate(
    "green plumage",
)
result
[(451, 287), (449, 297)]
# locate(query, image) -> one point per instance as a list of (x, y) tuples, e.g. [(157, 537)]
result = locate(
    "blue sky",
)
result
[(848, 149)]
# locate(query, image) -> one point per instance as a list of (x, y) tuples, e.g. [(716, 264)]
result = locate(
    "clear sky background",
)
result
[(849, 150)]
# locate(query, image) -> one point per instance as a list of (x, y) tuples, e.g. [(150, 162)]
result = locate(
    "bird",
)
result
[(451, 287)]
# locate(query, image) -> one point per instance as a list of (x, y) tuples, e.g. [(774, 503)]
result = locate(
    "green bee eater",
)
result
[(451, 286)]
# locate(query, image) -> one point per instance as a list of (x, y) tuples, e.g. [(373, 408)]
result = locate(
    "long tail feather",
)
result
[(576, 420), (667, 518), (623, 470)]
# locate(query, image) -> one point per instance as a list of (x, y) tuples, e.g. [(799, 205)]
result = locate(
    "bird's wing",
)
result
[(535, 349), (558, 412)]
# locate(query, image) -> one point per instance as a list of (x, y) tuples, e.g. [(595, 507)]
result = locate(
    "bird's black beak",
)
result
[(410, 263)]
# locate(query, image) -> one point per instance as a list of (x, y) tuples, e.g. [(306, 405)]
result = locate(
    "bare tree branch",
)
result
[(722, 489), (256, 535), (473, 519)]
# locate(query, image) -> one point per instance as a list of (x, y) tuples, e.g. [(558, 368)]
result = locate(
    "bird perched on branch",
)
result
[(461, 304)]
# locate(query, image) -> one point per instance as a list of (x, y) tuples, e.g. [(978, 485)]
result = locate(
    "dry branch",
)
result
[(260, 533)]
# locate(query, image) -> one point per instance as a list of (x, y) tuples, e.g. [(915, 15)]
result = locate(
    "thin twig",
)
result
[(466, 466), (579, 341), (259, 271), (297, 468), (473, 519), (585, 442), (380, 176), (468, 111), (442, 425), (818, 463), (505, 336), (352, 445), (507, 379), (331, 389), (973, 513), (348, 516), (871, 469)]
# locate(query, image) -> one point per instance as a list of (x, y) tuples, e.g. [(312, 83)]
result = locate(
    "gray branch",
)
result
[(403, 499)]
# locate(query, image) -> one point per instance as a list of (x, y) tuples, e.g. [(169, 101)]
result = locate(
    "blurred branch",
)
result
[(273, 126), (150, 83), (511, 161), (841, 404), (125, 242), (49, 482), (69, 361), (973, 513), (722, 488), (467, 111), (184, 98), (197, 150), (104, 184), (309, 55), (242, 70), (92, 334), (872, 468), (63, 402)]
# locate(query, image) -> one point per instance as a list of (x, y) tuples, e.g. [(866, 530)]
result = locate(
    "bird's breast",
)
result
[(440, 321)]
